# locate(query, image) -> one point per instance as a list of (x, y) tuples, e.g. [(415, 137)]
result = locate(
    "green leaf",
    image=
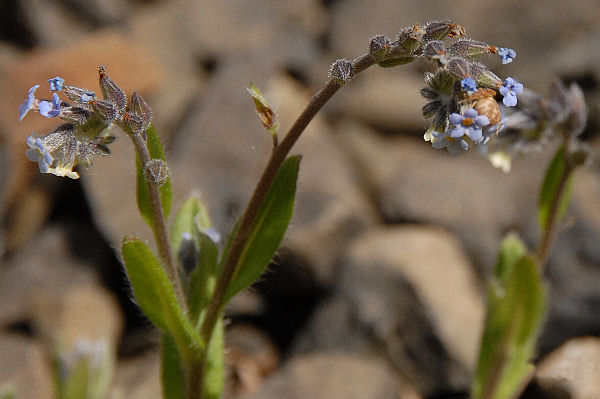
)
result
[(156, 297), (171, 373), (551, 188), (143, 197), (192, 219), (215, 364), (515, 312), (270, 226)]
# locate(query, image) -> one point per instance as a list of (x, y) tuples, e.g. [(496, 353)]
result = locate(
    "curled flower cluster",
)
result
[(461, 91), (88, 119)]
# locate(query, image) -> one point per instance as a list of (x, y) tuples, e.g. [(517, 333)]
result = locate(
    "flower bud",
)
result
[(484, 77), (578, 111), (341, 71), (459, 67), (156, 171), (411, 39), (379, 46), (436, 51), (188, 253), (440, 30), (469, 48)]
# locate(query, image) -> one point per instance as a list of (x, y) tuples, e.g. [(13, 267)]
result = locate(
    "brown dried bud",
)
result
[(156, 171), (111, 91), (489, 107), (141, 109), (341, 71)]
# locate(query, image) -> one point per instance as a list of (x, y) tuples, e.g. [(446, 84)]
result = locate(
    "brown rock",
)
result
[(24, 369), (571, 371), (434, 264)]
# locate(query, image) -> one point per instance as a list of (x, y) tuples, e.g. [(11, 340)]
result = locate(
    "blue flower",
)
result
[(56, 84), (453, 145), (469, 125), (50, 109), (509, 90), (38, 153), (28, 104), (507, 55), (468, 85)]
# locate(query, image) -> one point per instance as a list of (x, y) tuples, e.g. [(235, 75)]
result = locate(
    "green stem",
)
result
[(160, 225), (278, 155), (193, 380)]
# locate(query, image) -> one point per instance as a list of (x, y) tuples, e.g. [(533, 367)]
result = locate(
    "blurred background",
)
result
[(378, 290)]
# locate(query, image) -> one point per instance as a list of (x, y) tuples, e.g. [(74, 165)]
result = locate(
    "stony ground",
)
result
[(378, 291)]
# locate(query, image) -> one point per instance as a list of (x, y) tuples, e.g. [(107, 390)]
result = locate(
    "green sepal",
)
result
[(516, 306), (551, 188), (156, 297), (143, 197), (268, 230), (171, 371)]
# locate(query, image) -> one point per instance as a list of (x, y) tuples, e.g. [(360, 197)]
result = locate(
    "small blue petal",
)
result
[(56, 83), (28, 104), (507, 55), (509, 90), (456, 119), (50, 109), (468, 85), (471, 113)]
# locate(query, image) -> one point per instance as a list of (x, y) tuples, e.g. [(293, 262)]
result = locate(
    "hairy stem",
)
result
[(278, 155), (550, 231), (160, 225)]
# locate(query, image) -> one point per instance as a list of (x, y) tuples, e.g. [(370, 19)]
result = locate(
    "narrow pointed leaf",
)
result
[(515, 312), (269, 228), (143, 197), (551, 188), (156, 297), (171, 372)]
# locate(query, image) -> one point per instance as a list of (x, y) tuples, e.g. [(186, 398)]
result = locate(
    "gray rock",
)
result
[(333, 376), (412, 182), (43, 269), (410, 293)]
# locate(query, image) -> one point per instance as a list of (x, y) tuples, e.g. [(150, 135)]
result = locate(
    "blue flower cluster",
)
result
[(88, 120)]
